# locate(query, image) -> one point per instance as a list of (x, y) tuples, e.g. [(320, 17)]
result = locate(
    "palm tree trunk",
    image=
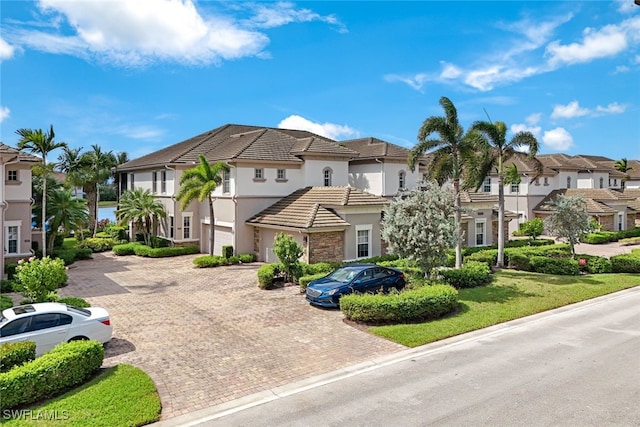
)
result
[(95, 221), (44, 207), (458, 221), (212, 231), (500, 261)]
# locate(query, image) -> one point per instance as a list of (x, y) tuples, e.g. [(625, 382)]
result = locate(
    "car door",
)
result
[(368, 280), (48, 330), (15, 330), (382, 279)]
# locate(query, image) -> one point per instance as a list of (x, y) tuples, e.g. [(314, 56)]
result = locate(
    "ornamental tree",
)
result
[(420, 225), (37, 278), (532, 228), (569, 221), (289, 252)]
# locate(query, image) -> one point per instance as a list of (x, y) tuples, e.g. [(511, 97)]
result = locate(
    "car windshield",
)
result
[(343, 275)]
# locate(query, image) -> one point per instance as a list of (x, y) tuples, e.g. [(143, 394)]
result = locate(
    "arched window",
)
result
[(402, 180), (601, 182), (568, 182), (327, 172)]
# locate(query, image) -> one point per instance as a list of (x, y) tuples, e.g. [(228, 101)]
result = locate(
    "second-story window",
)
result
[(515, 188), (402, 180), (601, 182), (281, 174), (258, 173), (537, 181), (154, 182), (226, 182), (327, 172), (163, 182), (486, 185), (12, 176), (568, 182), (546, 180), (615, 182)]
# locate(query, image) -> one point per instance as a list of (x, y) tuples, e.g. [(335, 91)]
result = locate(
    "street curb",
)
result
[(220, 410)]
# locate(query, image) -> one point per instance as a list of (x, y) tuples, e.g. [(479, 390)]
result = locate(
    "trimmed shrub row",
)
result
[(5, 302), (558, 266), (626, 263), (97, 244), (66, 366), (16, 354), (215, 260), (136, 248), (470, 275), (305, 280), (268, 275), (427, 302), (74, 301), (125, 249), (71, 255), (611, 236)]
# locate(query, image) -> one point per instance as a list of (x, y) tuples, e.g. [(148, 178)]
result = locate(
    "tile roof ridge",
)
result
[(312, 215), (345, 196)]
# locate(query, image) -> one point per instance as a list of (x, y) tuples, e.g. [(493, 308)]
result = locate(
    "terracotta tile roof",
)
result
[(311, 208), (477, 197), (635, 193), (13, 153), (578, 162), (376, 148), (634, 173), (595, 198), (232, 141)]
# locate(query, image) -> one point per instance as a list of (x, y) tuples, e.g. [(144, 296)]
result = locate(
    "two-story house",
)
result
[(15, 202)]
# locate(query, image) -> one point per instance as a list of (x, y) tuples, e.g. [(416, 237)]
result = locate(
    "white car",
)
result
[(51, 323)]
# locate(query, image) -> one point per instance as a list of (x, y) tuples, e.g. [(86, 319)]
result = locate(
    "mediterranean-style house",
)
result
[(329, 195), (15, 198)]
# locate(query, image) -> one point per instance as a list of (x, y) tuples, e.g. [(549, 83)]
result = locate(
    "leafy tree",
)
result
[(67, 212), (569, 221), (142, 209), (38, 278), (96, 169), (198, 183), (495, 155), (41, 143), (36, 191), (622, 165), (453, 150), (289, 252), (120, 158), (532, 228), (419, 225)]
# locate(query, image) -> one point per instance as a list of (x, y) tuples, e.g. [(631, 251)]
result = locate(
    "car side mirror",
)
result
[(357, 282)]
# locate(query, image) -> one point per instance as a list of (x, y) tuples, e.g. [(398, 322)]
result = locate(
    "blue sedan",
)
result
[(326, 292)]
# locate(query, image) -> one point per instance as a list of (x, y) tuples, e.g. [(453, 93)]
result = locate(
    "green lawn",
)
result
[(119, 396), (107, 204), (513, 294)]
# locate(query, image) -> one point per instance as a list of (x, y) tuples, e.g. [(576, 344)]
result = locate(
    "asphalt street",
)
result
[(577, 366)]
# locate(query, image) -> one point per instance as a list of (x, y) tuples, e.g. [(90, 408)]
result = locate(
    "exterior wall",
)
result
[(327, 247), (480, 215), (592, 180), (367, 177), (243, 182), (631, 221), (371, 219), (312, 172), (494, 233), (265, 238), (391, 177), (538, 188), (632, 183), (18, 214), (21, 189), (561, 179), (606, 222)]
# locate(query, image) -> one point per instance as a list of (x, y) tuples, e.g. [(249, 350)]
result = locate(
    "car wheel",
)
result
[(79, 339)]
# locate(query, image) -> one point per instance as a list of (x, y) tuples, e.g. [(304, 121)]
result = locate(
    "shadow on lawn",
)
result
[(552, 279), (498, 294)]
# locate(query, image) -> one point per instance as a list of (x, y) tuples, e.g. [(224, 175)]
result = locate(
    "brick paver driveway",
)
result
[(207, 336)]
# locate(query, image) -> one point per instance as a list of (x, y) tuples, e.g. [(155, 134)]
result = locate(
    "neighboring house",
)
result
[(480, 219), (15, 198)]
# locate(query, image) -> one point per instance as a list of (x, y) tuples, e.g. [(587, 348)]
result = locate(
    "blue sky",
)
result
[(137, 76)]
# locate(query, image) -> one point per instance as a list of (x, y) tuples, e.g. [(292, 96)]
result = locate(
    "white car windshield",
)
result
[(343, 275)]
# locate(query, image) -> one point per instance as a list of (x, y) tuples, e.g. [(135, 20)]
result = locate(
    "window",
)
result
[(568, 182), (131, 182), (327, 172), (363, 241), (258, 173), (163, 182), (601, 182), (171, 226), (615, 182), (620, 221), (11, 241), (486, 185), (226, 182), (537, 181), (12, 176), (15, 327), (546, 180), (154, 182), (622, 184), (402, 180), (515, 188), (49, 320), (186, 227), (281, 174), (480, 231)]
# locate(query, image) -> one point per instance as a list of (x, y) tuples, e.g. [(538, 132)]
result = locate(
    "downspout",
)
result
[(384, 180), (173, 198)]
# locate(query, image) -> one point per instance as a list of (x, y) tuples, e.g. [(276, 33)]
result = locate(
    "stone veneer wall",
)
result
[(495, 232), (256, 242), (606, 222), (326, 247)]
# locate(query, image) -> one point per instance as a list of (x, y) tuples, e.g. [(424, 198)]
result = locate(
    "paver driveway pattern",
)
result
[(208, 336)]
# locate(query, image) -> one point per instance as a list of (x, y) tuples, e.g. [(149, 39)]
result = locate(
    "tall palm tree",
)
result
[(452, 149), (497, 152), (70, 162), (41, 143), (622, 165), (120, 158), (96, 166), (67, 212), (198, 183), (142, 209)]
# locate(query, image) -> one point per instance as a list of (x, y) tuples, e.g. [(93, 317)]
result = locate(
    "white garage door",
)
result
[(224, 237)]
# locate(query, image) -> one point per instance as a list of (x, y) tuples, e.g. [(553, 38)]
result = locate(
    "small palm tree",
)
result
[(198, 183), (142, 209), (66, 212), (41, 143), (622, 165), (512, 176), (453, 149)]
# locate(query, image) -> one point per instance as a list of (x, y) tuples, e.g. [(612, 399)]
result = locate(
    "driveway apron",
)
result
[(208, 336)]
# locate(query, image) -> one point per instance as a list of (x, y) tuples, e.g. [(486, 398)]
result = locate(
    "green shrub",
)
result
[(519, 261), (70, 255), (38, 277), (319, 267), (10, 269), (626, 234), (97, 244), (630, 241), (146, 251), (488, 256), (74, 301), (125, 249), (16, 354), (522, 242), (116, 232), (142, 250), (558, 266), (305, 280), (209, 261), (6, 286), (626, 263), (227, 251), (66, 366), (5, 302), (58, 241), (470, 275), (598, 238), (427, 302), (269, 274), (376, 259), (598, 265), (159, 242), (247, 258)]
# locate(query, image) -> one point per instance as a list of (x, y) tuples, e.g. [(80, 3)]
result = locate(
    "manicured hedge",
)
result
[(305, 280), (427, 302), (6, 286), (97, 244), (600, 237), (16, 354), (488, 256), (269, 274), (146, 251), (626, 263), (71, 255), (5, 302), (630, 241), (215, 260), (559, 266), (470, 275), (74, 301), (64, 367), (227, 251), (125, 249), (319, 267)]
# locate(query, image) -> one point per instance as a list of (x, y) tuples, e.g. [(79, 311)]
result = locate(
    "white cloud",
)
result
[(329, 130), (487, 78), (450, 71), (569, 111), (143, 132), (4, 113), (621, 69), (626, 6), (535, 130), (613, 108), (416, 81), (138, 33), (6, 50), (533, 119), (557, 139)]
